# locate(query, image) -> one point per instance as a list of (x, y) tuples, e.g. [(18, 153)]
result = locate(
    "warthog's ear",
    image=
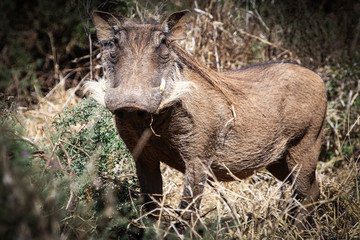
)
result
[(104, 24), (175, 25)]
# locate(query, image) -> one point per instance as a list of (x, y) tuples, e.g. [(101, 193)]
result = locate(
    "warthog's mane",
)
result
[(214, 78)]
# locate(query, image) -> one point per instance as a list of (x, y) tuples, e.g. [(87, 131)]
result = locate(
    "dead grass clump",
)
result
[(35, 120), (231, 38)]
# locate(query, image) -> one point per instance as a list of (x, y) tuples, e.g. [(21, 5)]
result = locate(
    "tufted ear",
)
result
[(175, 25), (105, 24)]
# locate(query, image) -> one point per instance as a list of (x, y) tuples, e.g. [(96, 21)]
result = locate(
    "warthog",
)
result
[(170, 108)]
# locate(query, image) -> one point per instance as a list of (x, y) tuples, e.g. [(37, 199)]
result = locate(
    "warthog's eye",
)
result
[(110, 48), (163, 40), (112, 55), (163, 49)]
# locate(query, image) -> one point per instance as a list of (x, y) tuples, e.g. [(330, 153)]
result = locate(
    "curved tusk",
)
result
[(162, 85)]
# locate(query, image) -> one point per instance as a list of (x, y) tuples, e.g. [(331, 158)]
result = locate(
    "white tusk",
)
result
[(162, 85)]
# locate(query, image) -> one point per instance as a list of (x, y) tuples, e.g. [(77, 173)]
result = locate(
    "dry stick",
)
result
[(215, 48), (49, 159), (335, 127), (232, 210), (67, 157), (207, 212), (260, 19), (21, 124), (138, 11), (71, 173), (355, 39), (342, 143), (87, 155), (145, 136), (53, 152), (90, 48), (132, 202), (357, 182), (73, 93), (17, 85), (261, 40), (264, 41), (62, 81), (78, 59), (197, 10), (162, 206), (54, 56), (352, 126), (347, 115), (153, 131)]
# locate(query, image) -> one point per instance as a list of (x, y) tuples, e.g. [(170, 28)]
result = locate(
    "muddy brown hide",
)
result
[(170, 108)]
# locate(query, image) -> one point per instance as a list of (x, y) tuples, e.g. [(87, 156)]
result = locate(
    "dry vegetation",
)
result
[(260, 207)]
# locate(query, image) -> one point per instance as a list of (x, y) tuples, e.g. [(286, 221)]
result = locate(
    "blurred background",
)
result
[(64, 171)]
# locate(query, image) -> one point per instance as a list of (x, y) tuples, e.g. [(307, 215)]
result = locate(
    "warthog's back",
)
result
[(280, 104), (288, 92)]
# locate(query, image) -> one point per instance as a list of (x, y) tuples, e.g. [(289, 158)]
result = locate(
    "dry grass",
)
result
[(260, 206), (36, 120)]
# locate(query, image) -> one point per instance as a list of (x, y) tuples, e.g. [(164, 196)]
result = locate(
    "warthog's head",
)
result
[(140, 66)]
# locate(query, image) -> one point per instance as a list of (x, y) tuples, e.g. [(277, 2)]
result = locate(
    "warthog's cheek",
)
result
[(156, 98)]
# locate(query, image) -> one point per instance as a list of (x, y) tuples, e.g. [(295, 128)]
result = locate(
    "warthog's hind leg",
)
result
[(194, 183)]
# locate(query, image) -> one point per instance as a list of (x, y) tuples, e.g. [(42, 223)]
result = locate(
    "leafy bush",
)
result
[(83, 187), (100, 167), (21, 190)]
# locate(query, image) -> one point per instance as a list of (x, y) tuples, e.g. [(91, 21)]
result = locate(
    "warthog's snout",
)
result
[(132, 104)]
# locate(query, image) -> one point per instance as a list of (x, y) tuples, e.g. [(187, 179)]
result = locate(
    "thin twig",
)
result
[(138, 11), (90, 49), (76, 88), (54, 55), (141, 143), (49, 159), (232, 211), (264, 41), (61, 83), (215, 48), (87, 155), (67, 156)]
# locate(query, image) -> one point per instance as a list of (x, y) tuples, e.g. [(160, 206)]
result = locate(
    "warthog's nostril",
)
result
[(141, 114), (130, 114), (120, 113)]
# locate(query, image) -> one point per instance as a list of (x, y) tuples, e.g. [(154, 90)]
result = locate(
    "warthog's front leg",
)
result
[(194, 183), (150, 182)]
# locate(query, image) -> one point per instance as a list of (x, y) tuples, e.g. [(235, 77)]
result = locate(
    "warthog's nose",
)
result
[(131, 113)]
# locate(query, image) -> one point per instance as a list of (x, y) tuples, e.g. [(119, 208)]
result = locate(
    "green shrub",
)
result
[(79, 190), (29, 204)]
